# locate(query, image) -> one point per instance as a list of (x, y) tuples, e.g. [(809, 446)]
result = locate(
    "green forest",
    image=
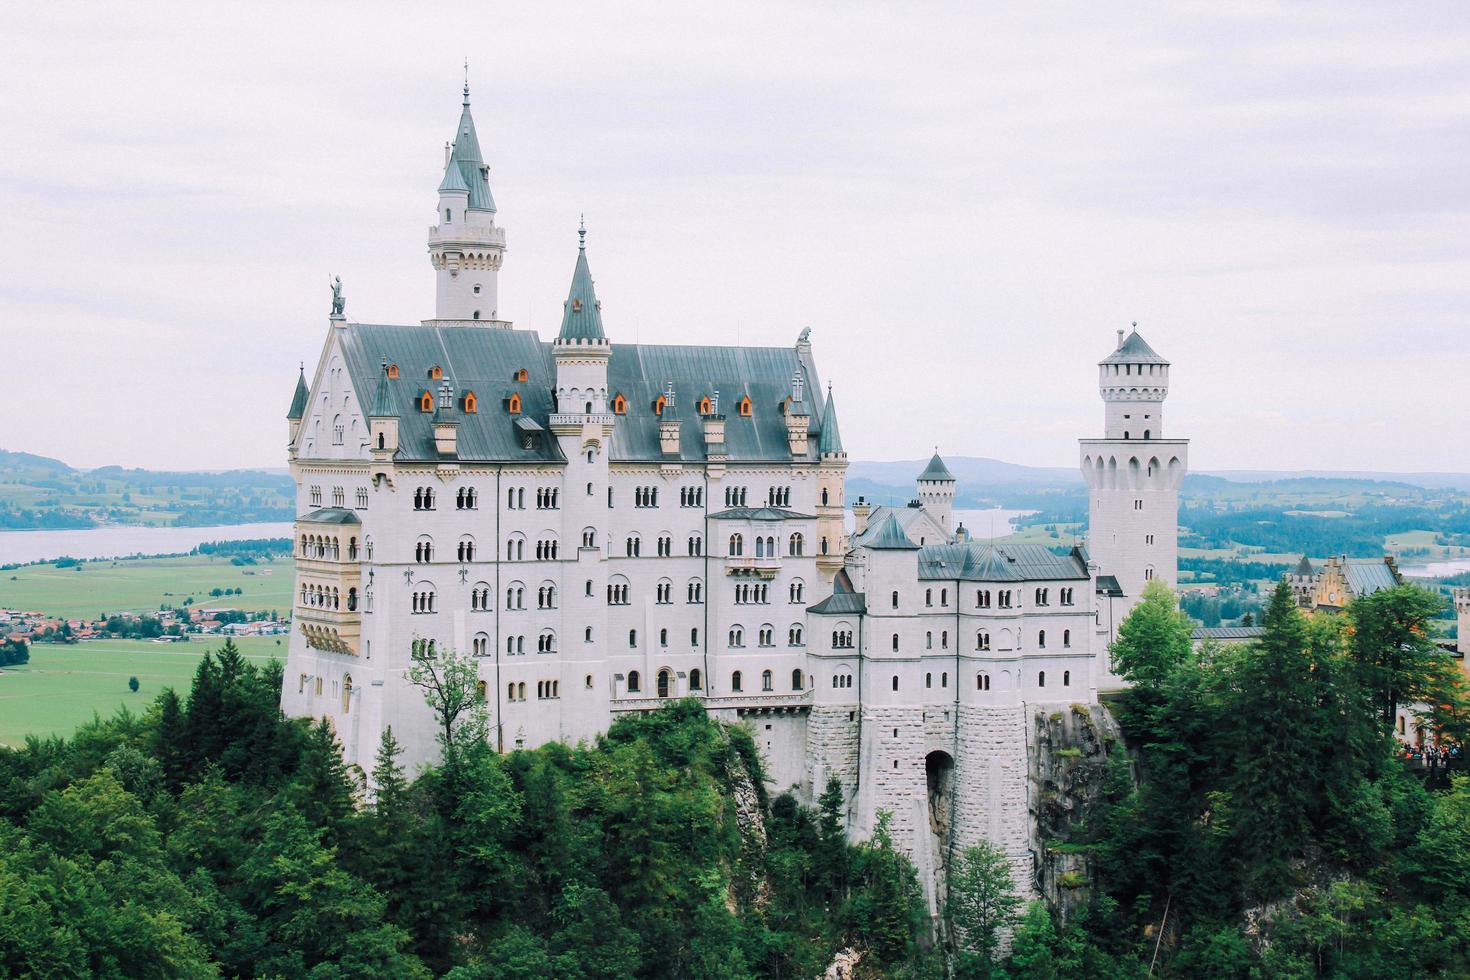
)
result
[(1253, 822)]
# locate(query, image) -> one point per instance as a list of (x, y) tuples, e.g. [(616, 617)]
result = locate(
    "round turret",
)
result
[(1134, 381)]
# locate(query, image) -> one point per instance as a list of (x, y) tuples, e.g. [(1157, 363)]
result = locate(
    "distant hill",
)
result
[(38, 492)]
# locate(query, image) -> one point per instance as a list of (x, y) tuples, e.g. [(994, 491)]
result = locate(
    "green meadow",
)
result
[(144, 584), (64, 685)]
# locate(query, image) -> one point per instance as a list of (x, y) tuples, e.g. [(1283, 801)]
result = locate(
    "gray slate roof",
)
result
[(298, 401), (937, 472), (1229, 632), (843, 601), (888, 536), (484, 360), (384, 404), (1304, 568), (1134, 350), (1367, 576), (1108, 585), (829, 439), (973, 561), (331, 515), (581, 317), (466, 169)]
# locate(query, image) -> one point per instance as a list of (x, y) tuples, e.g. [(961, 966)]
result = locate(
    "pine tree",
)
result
[(1277, 746), (982, 900), (1392, 642)]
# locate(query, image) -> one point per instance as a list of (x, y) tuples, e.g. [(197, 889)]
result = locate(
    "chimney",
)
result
[(860, 512), (1120, 341)]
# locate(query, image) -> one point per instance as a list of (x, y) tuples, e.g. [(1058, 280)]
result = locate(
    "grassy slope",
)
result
[(142, 585), (64, 685)]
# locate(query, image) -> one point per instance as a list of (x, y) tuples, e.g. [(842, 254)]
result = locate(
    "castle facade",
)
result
[(605, 526)]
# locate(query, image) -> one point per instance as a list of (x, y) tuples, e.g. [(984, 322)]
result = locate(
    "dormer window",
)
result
[(514, 404), (658, 405), (704, 406), (392, 372), (576, 306), (620, 405), (426, 402), (521, 375), (471, 403), (745, 407), (436, 373)]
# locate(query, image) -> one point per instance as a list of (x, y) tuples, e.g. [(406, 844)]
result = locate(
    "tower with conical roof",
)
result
[(465, 245), (936, 493), (298, 407), (1134, 474), (831, 493)]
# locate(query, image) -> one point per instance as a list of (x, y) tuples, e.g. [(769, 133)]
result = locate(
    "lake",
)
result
[(1437, 569), (119, 542)]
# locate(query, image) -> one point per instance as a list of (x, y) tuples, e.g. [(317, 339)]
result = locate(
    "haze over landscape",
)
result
[(1275, 193)]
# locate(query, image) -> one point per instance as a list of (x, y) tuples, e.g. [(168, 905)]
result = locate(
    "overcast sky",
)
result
[(963, 204)]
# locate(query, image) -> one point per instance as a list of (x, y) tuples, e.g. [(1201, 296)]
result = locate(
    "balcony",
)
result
[(745, 566), (757, 702)]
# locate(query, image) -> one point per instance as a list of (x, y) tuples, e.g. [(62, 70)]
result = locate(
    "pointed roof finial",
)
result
[(467, 81), (582, 232)]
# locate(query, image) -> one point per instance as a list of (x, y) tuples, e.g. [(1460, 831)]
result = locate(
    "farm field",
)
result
[(65, 685), (142, 585)]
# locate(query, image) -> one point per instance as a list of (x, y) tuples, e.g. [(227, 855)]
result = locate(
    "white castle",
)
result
[(605, 527)]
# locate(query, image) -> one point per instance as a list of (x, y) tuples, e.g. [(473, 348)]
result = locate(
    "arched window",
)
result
[(767, 681), (633, 682), (665, 682), (745, 407), (796, 545), (737, 545), (1066, 638), (471, 403), (895, 600), (982, 682), (895, 682), (1066, 678), (704, 406), (658, 405), (735, 681), (1041, 678), (620, 405), (824, 496), (393, 372), (696, 680), (346, 693), (1041, 639), (426, 402)]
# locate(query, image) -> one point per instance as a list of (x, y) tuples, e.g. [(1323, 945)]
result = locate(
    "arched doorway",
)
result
[(665, 682)]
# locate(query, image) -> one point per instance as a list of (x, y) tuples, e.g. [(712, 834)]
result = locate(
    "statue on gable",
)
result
[(339, 302)]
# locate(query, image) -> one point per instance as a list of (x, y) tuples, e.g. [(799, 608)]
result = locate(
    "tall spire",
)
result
[(829, 440), (384, 404), (300, 398), (466, 169), (581, 317)]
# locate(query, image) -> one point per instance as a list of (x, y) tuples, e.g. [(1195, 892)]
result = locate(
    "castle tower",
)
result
[(465, 246), (583, 425), (1134, 474), (831, 492), (936, 493), (297, 410)]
